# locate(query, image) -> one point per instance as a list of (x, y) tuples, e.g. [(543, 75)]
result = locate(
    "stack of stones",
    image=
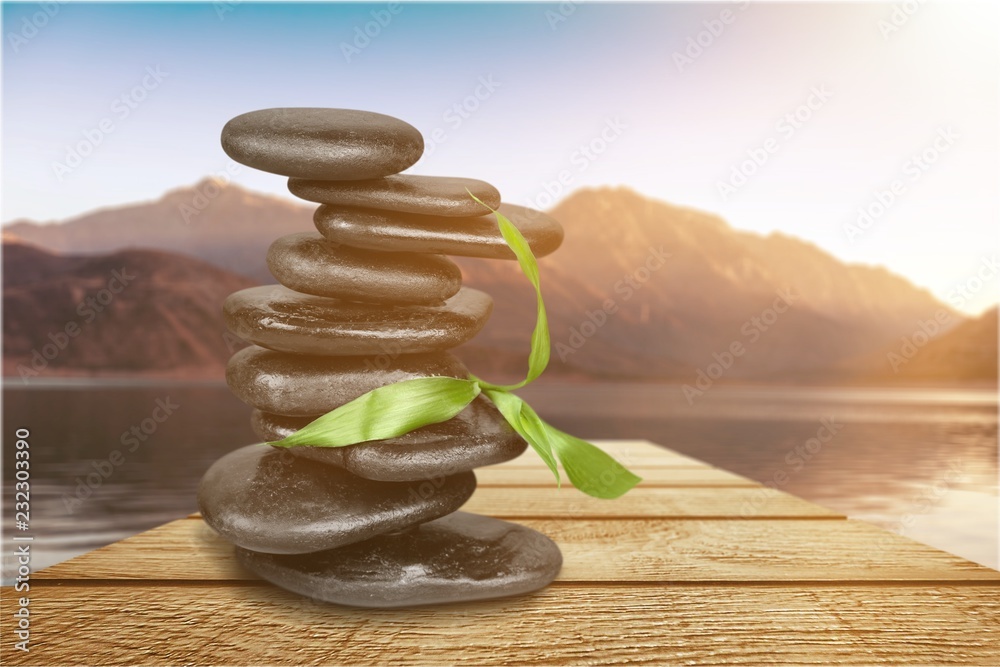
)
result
[(367, 301)]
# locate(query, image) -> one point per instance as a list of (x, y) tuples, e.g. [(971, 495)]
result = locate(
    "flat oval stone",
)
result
[(261, 498), (336, 144), (457, 558), (300, 385), (275, 317), (477, 436), (427, 195), (408, 232), (310, 264)]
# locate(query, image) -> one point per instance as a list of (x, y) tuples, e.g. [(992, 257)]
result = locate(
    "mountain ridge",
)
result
[(132, 311), (640, 288)]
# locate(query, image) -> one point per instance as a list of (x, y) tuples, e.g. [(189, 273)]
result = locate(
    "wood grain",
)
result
[(695, 566), (631, 453), (737, 503), (599, 551), (644, 502), (652, 625), (540, 476)]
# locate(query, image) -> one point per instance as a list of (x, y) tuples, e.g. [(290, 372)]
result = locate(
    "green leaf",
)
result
[(387, 412), (590, 469), (524, 420), (538, 358), (397, 409)]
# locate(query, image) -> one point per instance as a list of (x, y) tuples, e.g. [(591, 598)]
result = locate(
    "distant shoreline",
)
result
[(111, 381)]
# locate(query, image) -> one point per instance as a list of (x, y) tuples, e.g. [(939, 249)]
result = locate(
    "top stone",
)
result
[(329, 144)]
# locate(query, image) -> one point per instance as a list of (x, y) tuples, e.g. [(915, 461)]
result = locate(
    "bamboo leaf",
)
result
[(397, 409), (538, 358), (519, 415), (591, 469), (387, 412)]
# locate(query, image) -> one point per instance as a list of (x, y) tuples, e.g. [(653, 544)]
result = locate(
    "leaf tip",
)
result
[(479, 200)]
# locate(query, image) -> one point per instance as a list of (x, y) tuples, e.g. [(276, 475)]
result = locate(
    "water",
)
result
[(920, 462)]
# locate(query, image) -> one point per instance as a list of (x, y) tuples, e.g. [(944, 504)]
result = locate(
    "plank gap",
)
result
[(618, 583), (640, 517), (657, 485)]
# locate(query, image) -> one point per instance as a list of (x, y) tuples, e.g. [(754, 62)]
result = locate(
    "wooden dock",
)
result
[(694, 566)]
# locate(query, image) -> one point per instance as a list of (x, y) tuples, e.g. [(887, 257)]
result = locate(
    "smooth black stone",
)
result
[(457, 558), (275, 317), (300, 385), (427, 195), (308, 263), (478, 436), (335, 144), (262, 498), (407, 232)]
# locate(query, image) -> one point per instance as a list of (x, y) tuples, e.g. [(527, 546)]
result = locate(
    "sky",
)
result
[(866, 130)]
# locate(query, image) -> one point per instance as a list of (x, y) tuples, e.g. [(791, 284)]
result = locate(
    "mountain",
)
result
[(968, 352), (130, 311), (640, 288), (676, 319), (222, 224)]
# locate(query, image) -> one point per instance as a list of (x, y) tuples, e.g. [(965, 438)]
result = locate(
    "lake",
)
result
[(920, 462)]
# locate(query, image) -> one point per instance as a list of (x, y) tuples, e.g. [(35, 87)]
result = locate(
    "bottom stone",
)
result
[(265, 499), (456, 558)]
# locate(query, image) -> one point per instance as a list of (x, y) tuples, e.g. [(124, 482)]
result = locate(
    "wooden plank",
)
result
[(504, 475), (598, 551), (642, 503), (645, 502), (653, 625), (736, 502), (674, 572), (661, 500), (631, 453)]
